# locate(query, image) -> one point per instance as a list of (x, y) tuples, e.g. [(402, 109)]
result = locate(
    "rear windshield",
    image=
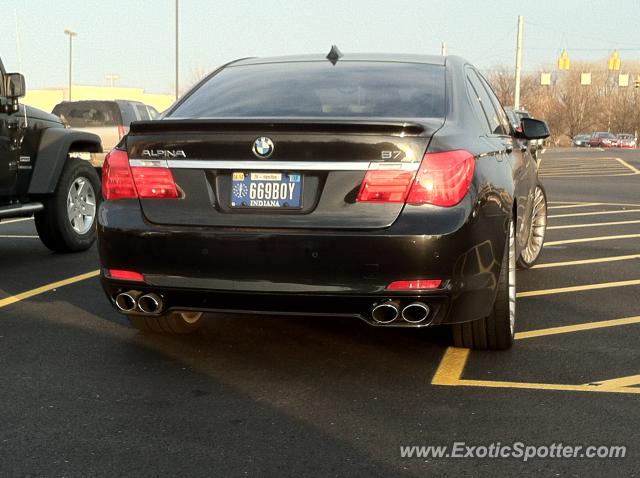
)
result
[(320, 89), (87, 114)]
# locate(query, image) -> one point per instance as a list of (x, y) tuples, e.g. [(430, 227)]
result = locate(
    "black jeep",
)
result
[(41, 172)]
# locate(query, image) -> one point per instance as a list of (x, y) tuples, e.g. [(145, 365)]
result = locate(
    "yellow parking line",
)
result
[(587, 204), (594, 224), (566, 329), (617, 382), (586, 175), (46, 288), (11, 236), (591, 239), (578, 288), (451, 368), (594, 213), (587, 261), (632, 168), (9, 221), (567, 172), (585, 167)]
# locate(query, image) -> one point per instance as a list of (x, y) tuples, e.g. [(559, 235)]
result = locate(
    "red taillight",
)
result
[(385, 186), (126, 275), (120, 181), (443, 178), (121, 131), (420, 284), (117, 181), (154, 182)]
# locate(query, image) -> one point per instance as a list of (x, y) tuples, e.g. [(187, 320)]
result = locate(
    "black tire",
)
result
[(496, 331), (53, 224), (171, 323), (537, 230)]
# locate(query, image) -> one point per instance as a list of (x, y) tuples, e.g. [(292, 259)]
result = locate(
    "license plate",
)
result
[(266, 190)]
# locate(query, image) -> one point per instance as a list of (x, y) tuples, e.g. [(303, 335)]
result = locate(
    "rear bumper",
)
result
[(304, 272)]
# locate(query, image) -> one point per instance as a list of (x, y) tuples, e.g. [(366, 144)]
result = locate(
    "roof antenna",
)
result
[(334, 55)]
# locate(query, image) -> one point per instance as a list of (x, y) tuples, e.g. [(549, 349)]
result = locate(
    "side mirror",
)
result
[(534, 129), (15, 85)]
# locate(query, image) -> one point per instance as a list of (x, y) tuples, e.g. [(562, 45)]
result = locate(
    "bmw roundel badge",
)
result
[(263, 147)]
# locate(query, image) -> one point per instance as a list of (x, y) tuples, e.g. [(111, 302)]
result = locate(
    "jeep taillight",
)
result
[(122, 181)]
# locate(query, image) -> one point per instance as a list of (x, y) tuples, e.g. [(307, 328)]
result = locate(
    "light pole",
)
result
[(177, 50), (71, 34), (111, 79), (516, 99)]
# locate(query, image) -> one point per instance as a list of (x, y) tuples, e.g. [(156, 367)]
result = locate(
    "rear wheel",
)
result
[(496, 331), (537, 231), (68, 221), (171, 323)]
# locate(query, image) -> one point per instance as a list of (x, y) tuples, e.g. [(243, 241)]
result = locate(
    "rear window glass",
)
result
[(142, 112), (320, 89), (87, 114)]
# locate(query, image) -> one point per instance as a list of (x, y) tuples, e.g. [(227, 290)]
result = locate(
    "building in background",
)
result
[(46, 99)]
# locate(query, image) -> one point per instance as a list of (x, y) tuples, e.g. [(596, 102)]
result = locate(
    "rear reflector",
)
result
[(126, 275), (443, 178), (419, 284), (120, 181)]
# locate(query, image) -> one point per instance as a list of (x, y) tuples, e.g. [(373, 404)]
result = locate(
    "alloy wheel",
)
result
[(81, 205)]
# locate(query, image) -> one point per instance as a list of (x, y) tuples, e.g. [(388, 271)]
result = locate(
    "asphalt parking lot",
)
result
[(85, 395)]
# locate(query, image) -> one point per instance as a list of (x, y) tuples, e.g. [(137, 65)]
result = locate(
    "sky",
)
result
[(135, 39)]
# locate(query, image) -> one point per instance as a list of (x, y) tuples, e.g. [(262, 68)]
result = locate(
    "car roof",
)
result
[(384, 57)]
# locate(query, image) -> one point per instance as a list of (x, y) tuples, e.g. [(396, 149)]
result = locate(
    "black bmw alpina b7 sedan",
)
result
[(390, 188)]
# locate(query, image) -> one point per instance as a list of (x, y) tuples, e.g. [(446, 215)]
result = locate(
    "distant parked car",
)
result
[(626, 140), (581, 141), (108, 119), (603, 139)]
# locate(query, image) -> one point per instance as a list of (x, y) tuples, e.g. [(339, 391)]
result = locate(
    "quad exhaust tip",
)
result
[(126, 301), (132, 301), (415, 313), (150, 304), (386, 312)]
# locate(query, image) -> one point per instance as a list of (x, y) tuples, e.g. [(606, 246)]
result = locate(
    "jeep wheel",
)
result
[(68, 221)]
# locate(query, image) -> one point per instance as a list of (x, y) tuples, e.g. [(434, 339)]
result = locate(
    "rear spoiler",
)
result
[(293, 125)]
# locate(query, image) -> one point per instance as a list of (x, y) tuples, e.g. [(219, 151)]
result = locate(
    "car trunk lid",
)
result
[(213, 163)]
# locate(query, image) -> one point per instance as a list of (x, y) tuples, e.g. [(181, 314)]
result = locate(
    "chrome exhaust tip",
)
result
[(386, 312), (150, 304), (126, 301), (416, 312)]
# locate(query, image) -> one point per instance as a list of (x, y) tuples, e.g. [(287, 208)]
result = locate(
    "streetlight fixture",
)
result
[(111, 79), (71, 34)]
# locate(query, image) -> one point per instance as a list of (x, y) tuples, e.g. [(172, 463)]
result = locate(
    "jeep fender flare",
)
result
[(55, 146)]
